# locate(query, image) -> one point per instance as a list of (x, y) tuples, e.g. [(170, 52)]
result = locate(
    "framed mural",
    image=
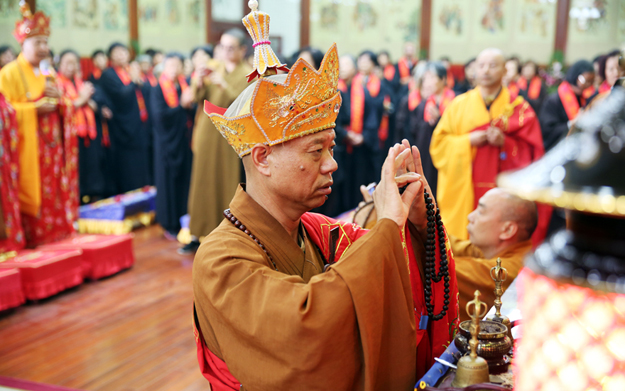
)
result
[(115, 14), (359, 25), (56, 10), (85, 14), (621, 22), (493, 22), (449, 20), (535, 21)]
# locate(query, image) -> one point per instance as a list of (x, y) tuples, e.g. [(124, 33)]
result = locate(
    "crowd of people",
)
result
[(123, 123)]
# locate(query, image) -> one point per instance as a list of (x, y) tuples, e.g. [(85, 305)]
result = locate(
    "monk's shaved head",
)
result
[(492, 54), (490, 68), (518, 210), (500, 220)]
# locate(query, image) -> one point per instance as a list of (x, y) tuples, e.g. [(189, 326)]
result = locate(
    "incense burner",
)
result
[(493, 344)]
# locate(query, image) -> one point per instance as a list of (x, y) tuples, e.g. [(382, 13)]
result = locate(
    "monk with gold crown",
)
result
[(48, 201), (288, 299)]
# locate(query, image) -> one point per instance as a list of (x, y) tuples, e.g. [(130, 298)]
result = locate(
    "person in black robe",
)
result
[(469, 82), (528, 72), (554, 120), (129, 158), (363, 145), (172, 109), (413, 125), (389, 70)]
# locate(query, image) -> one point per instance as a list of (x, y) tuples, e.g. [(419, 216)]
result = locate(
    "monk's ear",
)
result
[(260, 154), (509, 229)]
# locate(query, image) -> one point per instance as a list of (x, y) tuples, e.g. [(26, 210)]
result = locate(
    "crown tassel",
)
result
[(266, 62)]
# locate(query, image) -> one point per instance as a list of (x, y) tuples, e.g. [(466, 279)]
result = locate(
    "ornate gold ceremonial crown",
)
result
[(279, 109), (31, 25)]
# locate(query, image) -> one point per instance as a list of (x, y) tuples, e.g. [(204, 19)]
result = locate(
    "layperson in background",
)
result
[(407, 62), (531, 85), (100, 63), (451, 80), (469, 81), (130, 164), (44, 122), (421, 122), (216, 168), (391, 75), (11, 231), (500, 227), (561, 108), (366, 110), (482, 133), (609, 70), (6, 55), (172, 105), (511, 77), (91, 154)]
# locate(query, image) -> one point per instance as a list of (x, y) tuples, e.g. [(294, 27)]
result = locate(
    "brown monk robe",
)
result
[(339, 330), (500, 227), (216, 167)]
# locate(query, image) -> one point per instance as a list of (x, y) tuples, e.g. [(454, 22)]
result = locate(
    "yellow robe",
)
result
[(12, 77), (216, 168), (473, 270), (453, 155), (349, 328)]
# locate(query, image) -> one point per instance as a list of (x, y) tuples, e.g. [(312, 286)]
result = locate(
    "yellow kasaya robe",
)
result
[(452, 154), (216, 169), (11, 85), (473, 270), (351, 327)]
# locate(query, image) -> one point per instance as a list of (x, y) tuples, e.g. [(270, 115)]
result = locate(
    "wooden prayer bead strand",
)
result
[(230, 217)]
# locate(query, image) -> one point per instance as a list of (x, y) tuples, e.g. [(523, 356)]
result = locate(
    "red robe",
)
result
[(12, 234), (432, 340)]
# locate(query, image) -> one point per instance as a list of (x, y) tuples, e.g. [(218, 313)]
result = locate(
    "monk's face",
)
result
[(301, 170), (36, 49), (490, 68), (485, 222)]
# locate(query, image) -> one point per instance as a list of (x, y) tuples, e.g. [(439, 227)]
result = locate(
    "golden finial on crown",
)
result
[(266, 62)]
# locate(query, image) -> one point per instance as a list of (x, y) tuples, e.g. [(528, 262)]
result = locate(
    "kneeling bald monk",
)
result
[(286, 299)]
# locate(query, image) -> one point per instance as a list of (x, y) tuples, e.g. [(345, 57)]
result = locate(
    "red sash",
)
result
[(169, 89), (84, 119), (125, 78), (431, 340), (604, 87), (569, 100), (389, 72), (534, 88), (358, 99), (149, 77), (451, 82), (404, 67), (383, 130), (446, 97), (588, 92), (513, 89), (97, 73), (342, 86), (414, 96)]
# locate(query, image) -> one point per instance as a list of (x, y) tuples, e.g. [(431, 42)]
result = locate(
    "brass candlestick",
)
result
[(473, 369), (499, 274)]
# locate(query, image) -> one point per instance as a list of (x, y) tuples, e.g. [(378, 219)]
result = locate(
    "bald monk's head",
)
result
[(500, 220), (490, 68)]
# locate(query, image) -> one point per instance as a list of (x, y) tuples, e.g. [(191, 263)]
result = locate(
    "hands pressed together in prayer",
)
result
[(402, 167), (493, 136)]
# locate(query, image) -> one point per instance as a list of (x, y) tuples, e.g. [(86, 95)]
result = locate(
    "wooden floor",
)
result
[(131, 331)]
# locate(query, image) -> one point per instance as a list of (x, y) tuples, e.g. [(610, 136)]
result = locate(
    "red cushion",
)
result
[(46, 273), (102, 255), (11, 293)]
